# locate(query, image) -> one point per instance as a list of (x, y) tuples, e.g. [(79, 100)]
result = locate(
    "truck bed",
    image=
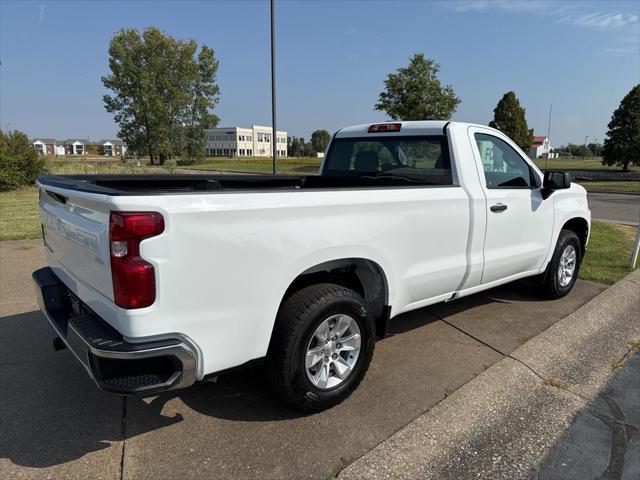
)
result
[(165, 184), (196, 183)]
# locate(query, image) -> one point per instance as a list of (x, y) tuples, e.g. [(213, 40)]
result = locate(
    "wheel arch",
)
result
[(580, 226), (363, 275)]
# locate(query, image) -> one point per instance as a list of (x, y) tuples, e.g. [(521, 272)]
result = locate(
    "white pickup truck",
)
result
[(156, 282)]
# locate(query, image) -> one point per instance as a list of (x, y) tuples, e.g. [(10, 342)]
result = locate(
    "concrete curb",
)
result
[(617, 222), (612, 192), (502, 423)]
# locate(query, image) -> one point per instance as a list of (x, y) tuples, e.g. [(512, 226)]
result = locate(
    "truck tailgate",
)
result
[(76, 235)]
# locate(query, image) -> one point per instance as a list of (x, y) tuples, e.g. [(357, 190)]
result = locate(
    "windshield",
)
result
[(418, 159)]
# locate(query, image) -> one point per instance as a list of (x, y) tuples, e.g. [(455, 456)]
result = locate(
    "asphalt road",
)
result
[(615, 207), (56, 424)]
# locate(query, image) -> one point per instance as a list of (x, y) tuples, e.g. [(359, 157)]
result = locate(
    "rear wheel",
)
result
[(321, 346), (562, 271)]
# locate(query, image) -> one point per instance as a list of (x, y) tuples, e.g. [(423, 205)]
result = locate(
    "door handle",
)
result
[(498, 207)]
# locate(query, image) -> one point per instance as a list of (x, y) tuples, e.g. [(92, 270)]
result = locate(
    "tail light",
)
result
[(134, 281), (385, 127)]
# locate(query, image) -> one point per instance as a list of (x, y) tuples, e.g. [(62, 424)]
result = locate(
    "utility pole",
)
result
[(584, 152), (546, 163), (84, 152), (595, 148), (274, 139), (636, 249)]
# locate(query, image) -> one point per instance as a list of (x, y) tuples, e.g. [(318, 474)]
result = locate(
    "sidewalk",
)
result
[(605, 438), (504, 423)]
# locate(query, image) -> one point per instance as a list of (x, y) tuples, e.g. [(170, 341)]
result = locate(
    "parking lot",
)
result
[(56, 424)]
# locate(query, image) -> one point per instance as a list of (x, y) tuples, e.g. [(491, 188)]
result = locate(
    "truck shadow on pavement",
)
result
[(520, 291), (246, 396), (52, 413)]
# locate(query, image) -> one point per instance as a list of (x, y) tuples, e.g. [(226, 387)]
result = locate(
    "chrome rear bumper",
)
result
[(115, 364)]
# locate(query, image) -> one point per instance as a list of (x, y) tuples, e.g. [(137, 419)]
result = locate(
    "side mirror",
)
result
[(555, 181)]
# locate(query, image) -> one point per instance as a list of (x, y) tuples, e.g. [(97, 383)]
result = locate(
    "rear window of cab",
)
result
[(414, 159)]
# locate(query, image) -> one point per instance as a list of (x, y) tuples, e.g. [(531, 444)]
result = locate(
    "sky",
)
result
[(331, 61)]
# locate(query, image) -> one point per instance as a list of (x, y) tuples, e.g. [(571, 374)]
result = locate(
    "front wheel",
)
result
[(321, 346), (562, 271)]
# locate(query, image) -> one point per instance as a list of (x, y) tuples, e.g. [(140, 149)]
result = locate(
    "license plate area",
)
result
[(77, 306)]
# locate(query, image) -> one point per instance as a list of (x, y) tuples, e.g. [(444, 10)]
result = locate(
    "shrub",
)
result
[(170, 165), (186, 161), (20, 165)]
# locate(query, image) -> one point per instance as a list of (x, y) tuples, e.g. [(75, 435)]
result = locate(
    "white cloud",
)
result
[(576, 14), (571, 13), (501, 5), (618, 51), (41, 19), (605, 20)]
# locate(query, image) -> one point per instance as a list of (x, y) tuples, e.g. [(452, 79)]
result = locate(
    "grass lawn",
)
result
[(629, 186), (19, 214), (89, 165), (260, 165), (66, 166), (608, 253), (573, 164)]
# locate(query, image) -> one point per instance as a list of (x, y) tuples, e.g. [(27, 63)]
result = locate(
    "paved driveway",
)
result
[(615, 207), (56, 424)]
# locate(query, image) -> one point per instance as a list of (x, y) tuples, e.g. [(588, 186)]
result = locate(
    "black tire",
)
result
[(549, 282), (297, 320)]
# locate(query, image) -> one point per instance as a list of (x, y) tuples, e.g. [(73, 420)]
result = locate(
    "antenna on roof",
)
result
[(546, 163), (274, 139)]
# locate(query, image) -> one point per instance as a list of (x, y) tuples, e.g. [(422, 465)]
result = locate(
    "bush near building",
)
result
[(19, 163)]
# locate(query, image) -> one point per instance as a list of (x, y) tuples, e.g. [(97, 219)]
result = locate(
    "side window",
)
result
[(424, 155), (503, 167)]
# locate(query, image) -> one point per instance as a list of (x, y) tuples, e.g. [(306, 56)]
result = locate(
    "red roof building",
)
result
[(540, 147)]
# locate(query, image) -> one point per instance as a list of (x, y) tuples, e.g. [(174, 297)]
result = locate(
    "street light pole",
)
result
[(274, 138)]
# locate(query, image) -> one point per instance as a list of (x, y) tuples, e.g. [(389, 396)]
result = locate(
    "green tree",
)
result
[(303, 147), (295, 149), (307, 150), (508, 117), (575, 150), (20, 165), (594, 149), (204, 94), (320, 140), (622, 145), (415, 93), (163, 91)]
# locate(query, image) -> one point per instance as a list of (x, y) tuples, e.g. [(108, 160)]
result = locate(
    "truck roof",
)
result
[(421, 127)]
